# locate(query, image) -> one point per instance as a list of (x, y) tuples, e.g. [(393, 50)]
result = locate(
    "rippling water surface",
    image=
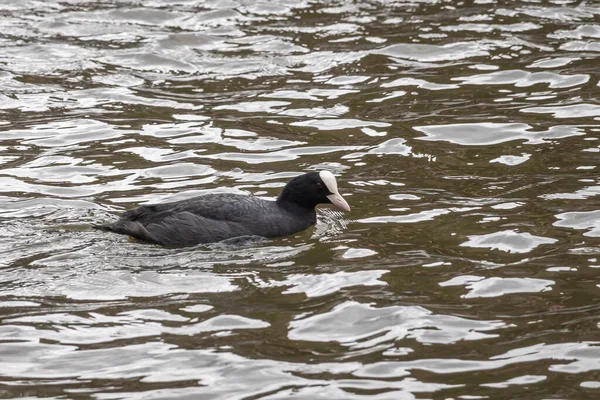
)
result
[(465, 135)]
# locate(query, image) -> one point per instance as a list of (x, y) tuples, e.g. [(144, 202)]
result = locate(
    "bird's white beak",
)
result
[(338, 201)]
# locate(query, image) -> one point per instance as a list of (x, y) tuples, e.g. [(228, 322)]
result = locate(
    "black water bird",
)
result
[(216, 217)]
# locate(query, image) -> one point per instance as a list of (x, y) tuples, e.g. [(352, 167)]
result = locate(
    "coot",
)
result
[(216, 217)]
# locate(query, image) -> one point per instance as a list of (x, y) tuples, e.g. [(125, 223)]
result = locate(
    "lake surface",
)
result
[(464, 134)]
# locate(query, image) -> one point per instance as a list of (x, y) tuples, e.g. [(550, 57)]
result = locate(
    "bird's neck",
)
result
[(289, 203)]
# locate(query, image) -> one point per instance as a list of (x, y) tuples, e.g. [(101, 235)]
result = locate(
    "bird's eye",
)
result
[(319, 185)]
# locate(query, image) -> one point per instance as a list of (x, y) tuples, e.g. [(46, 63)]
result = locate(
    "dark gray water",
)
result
[(465, 135)]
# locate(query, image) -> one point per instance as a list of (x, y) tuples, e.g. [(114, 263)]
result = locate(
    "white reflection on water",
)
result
[(512, 160), (325, 284), (572, 111), (487, 133), (360, 325), (577, 357), (524, 79), (432, 53), (479, 286), (509, 241), (589, 220)]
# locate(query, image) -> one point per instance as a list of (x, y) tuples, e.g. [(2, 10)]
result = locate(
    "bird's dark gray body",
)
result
[(211, 218), (217, 217)]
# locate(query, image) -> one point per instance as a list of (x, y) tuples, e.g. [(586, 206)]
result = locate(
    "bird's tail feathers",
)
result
[(131, 228)]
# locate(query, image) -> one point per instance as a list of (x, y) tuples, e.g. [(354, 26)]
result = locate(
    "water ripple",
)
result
[(463, 134), (362, 326)]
